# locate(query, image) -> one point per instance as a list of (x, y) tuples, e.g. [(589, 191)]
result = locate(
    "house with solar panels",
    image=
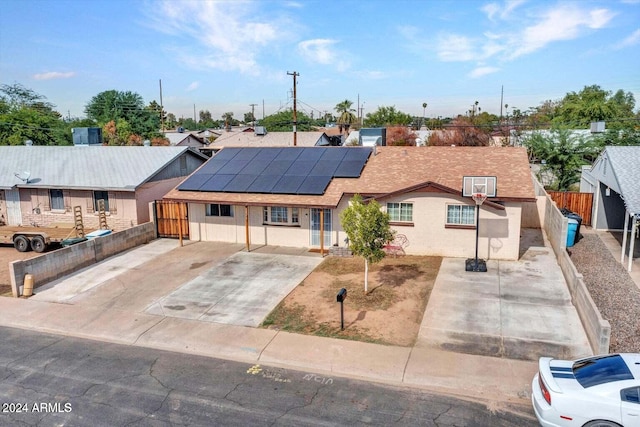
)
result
[(41, 185), (293, 196)]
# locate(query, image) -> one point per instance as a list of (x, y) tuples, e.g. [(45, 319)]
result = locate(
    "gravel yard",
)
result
[(613, 291)]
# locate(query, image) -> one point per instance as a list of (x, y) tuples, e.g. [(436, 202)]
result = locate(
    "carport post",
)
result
[(180, 222), (322, 232), (624, 235), (634, 227), (246, 226)]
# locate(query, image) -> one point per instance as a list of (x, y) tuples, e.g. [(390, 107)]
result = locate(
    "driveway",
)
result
[(213, 282)]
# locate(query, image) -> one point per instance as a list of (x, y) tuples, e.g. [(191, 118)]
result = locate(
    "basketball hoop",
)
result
[(479, 198)]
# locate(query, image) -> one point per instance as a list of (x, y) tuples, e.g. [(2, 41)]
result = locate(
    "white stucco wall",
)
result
[(427, 235)]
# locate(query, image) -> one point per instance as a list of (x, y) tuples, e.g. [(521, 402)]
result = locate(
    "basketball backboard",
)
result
[(479, 184)]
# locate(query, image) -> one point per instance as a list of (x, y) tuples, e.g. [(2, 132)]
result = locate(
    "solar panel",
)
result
[(212, 165), (240, 183), (289, 154), (349, 169), (360, 154), (194, 182), (277, 167), (288, 184), (324, 167), (296, 170), (300, 167), (314, 185), (311, 153), (246, 153), (233, 166), (216, 182), (226, 154), (255, 167), (333, 154), (263, 184)]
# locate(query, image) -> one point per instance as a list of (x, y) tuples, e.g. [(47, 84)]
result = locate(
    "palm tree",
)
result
[(347, 118)]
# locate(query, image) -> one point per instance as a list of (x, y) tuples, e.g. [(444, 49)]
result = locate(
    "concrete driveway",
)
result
[(205, 281)]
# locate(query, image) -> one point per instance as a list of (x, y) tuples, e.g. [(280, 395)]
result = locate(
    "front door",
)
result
[(315, 227), (14, 213)]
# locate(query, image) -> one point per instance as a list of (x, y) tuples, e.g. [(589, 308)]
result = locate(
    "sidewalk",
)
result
[(516, 307)]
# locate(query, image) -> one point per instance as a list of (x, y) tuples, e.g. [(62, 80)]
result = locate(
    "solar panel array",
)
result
[(291, 170)]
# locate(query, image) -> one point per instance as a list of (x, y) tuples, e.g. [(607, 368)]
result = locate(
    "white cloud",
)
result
[(502, 12), (54, 75), (559, 23), (483, 71), (632, 40), (193, 86), (454, 47), (318, 50), (228, 35)]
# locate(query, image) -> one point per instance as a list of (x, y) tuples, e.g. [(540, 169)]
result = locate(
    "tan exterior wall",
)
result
[(35, 206), (149, 192), (3, 208), (427, 235)]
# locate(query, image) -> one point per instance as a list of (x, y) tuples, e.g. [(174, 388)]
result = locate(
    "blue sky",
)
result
[(225, 55)]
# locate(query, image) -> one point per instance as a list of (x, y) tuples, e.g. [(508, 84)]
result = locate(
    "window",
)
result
[(461, 214), (630, 394), (101, 195), (280, 215), (219, 210), (400, 212), (57, 200)]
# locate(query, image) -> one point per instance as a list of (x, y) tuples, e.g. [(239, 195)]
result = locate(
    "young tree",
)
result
[(368, 230), (387, 116), (562, 154), (401, 135)]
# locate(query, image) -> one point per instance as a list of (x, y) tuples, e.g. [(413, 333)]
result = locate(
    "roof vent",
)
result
[(28, 143)]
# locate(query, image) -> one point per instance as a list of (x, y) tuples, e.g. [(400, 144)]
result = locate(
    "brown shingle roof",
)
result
[(394, 169)]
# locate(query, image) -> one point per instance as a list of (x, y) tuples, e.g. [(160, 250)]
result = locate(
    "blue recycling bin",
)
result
[(572, 230)]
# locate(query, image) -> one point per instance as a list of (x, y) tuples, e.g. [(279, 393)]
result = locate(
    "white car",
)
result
[(599, 391)]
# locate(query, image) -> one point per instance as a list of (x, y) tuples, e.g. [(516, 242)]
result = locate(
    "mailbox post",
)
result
[(342, 294)]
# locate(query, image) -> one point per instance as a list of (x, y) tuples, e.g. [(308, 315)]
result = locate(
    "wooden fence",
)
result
[(580, 203), (172, 219)]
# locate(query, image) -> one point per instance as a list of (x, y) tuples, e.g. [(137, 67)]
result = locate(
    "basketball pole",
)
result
[(477, 234)]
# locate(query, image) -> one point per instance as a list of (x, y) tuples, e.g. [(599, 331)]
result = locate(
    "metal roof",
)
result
[(82, 167), (625, 162)]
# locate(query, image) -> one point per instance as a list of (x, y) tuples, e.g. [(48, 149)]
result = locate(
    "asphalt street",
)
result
[(49, 380)]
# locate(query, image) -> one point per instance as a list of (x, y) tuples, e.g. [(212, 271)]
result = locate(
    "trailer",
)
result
[(34, 238), (39, 238)]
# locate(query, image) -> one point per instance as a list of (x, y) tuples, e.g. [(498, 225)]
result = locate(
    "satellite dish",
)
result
[(24, 177)]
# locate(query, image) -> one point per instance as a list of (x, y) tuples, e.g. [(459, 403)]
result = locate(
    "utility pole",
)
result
[(295, 113), (253, 118)]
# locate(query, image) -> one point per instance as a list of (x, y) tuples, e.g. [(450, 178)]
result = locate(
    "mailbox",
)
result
[(342, 294)]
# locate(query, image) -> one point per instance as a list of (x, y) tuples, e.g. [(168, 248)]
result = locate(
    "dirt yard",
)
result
[(390, 313), (8, 254)]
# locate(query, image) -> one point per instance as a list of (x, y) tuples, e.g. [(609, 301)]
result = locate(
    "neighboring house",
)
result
[(40, 185), (614, 178), (185, 139), (261, 138), (272, 196)]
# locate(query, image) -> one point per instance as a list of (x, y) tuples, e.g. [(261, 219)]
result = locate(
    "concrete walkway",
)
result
[(520, 309)]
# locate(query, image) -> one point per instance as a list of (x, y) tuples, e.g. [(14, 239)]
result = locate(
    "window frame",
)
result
[(58, 198), (96, 198), (281, 215), (221, 210), (401, 209), (460, 216)]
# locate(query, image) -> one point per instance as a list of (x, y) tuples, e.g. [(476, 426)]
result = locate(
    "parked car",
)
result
[(598, 391)]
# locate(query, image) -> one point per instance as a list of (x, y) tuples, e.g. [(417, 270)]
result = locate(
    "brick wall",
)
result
[(53, 265)]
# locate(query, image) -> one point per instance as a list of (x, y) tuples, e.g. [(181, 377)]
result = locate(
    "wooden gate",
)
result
[(172, 219), (580, 203)]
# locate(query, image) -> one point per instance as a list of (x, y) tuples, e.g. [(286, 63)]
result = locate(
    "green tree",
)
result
[(346, 118), (25, 114), (282, 121), (387, 116), (113, 105), (592, 103), (368, 230), (249, 118), (561, 154)]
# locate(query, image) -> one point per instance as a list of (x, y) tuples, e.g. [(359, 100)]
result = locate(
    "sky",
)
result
[(223, 56)]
